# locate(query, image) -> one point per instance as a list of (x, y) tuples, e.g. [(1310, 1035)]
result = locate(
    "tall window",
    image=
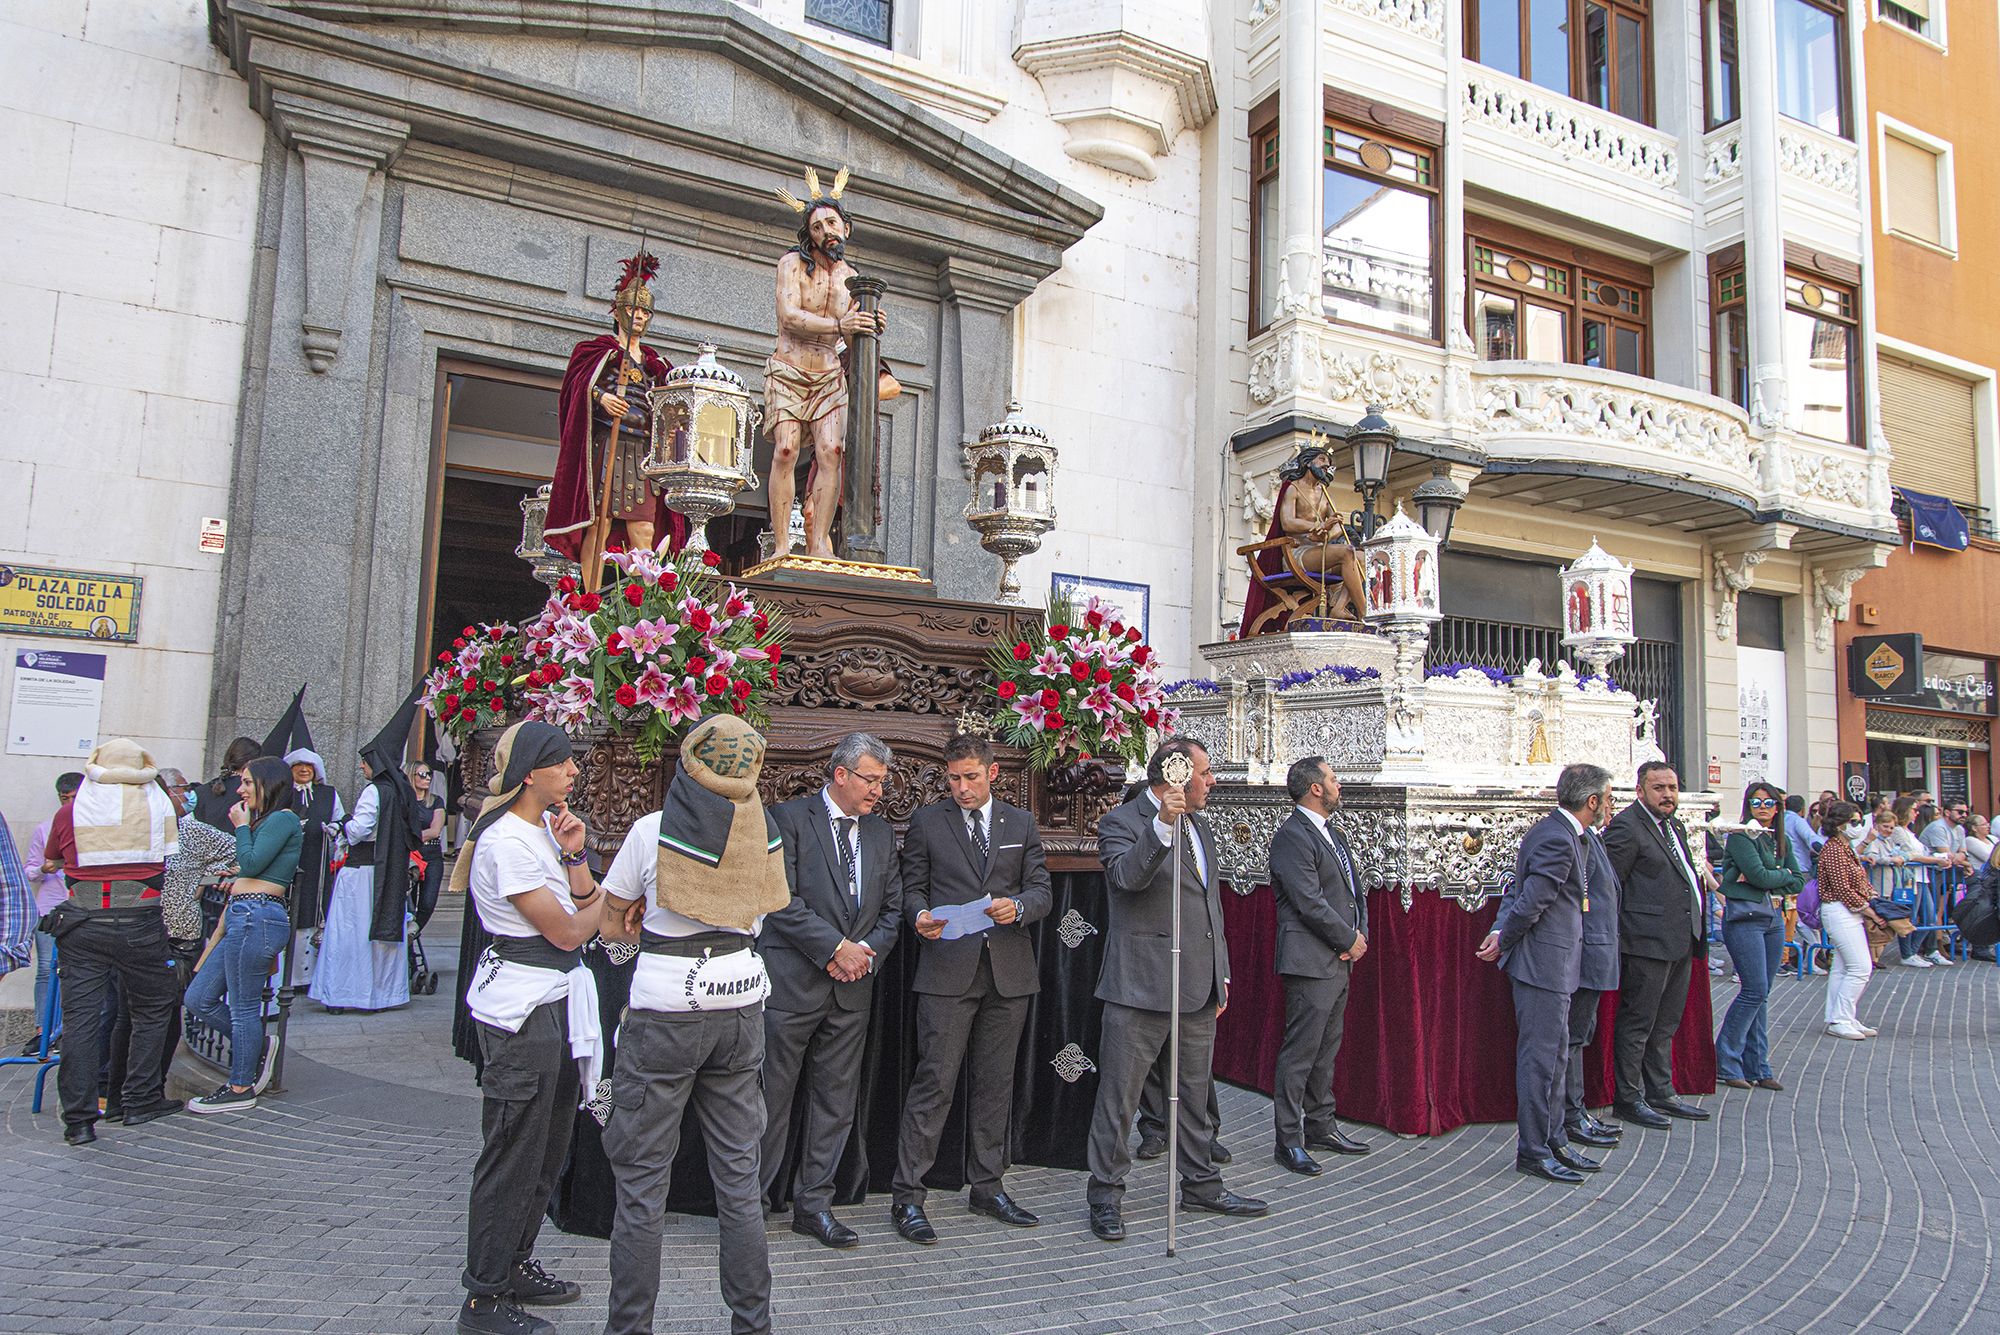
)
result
[(1812, 62), (1729, 328), (1598, 51), (1267, 243), (1379, 251), (867, 19), (1718, 44), (1913, 15), (1592, 310), (1916, 188), (1821, 367)]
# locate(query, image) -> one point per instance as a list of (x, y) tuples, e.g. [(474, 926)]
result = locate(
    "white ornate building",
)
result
[(293, 264)]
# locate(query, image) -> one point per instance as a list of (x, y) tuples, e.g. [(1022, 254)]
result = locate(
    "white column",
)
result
[(1763, 232), (1451, 162), (1301, 117)]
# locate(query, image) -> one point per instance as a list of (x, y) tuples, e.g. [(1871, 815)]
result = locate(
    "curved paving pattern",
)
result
[(1863, 1198)]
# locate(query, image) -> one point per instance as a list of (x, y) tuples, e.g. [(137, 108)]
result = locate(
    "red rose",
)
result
[(627, 695), (1093, 619), (495, 632), (1101, 676), (611, 547), (736, 706), (488, 687), (1080, 670), (759, 622), (717, 684), (1059, 631), (1050, 698), (701, 620), (589, 602), (772, 651), (551, 674), (635, 594), (506, 660), (469, 632), (1117, 629), (1131, 634), (450, 705), (1057, 721), (742, 689), (458, 643), (1022, 652), (1008, 690), (697, 665), (1152, 717), (1142, 655), (613, 645), (566, 585), (444, 657), (1125, 692), (467, 714), (711, 560), (669, 580), (497, 703), (736, 606)]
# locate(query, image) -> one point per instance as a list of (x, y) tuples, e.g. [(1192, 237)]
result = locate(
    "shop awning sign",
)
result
[(1886, 667)]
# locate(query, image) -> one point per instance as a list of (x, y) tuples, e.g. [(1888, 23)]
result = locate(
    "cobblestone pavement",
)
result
[(1860, 1199)]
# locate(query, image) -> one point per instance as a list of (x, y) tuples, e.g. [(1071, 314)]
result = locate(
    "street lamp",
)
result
[(1374, 440), (1437, 503)]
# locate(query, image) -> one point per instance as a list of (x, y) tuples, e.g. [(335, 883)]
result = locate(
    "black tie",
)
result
[(979, 832), (844, 832)]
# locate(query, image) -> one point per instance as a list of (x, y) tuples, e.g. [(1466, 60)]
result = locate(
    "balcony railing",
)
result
[(1572, 130)]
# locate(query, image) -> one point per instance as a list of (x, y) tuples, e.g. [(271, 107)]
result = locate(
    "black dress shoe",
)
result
[(1335, 1142), (1297, 1160), (1673, 1107), (80, 1135), (822, 1227), (1642, 1114), (1001, 1206), (1570, 1159), (1151, 1147), (1228, 1203), (1592, 1122), (1546, 1168), (164, 1108), (912, 1225), (1582, 1134), (1218, 1153), (1108, 1222)]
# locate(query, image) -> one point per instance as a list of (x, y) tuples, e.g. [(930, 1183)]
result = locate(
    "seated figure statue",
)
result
[(1306, 556)]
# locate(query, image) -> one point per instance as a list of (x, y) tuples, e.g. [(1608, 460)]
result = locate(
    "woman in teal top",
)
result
[(1755, 867), (254, 928)]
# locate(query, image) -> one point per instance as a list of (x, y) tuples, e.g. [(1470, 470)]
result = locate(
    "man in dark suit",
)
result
[(1141, 993), (1322, 932), (1597, 973), (1537, 940), (1662, 931), (821, 951), (972, 992)]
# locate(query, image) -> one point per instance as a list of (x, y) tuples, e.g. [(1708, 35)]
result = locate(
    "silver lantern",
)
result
[(1597, 608), (703, 431), (549, 564), (1013, 467), (1400, 566)]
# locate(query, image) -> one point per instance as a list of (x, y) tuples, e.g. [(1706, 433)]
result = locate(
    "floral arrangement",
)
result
[(1081, 687), (1492, 674), (476, 683), (664, 644), (1603, 679), (1337, 674)]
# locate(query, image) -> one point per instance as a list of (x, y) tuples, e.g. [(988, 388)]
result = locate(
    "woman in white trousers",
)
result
[(1844, 911)]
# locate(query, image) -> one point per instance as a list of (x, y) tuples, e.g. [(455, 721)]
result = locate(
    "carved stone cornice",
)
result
[(1123, 96), (1733, 574)]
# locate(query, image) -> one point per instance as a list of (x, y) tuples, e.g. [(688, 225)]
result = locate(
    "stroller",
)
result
[(423, 980)]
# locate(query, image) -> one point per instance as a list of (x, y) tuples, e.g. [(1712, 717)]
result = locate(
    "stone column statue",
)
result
[(806, 385)]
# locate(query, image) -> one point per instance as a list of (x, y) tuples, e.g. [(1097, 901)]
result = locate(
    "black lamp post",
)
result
[(1373, 441), (1437, 503)]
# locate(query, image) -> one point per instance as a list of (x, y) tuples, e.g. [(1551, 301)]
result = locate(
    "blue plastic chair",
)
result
[(51, 1022)]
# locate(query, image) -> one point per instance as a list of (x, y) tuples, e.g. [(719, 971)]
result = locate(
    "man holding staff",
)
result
[(1141, 994)]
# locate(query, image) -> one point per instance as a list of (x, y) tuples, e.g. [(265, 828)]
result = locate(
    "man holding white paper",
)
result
[(974, 876)]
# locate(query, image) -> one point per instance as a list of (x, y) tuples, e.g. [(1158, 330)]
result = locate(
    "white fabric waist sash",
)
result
[(505, 993), (710, 983)]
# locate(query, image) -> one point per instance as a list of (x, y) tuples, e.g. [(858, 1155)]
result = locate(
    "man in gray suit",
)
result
[(1537, 940), (1662, 930), (1322, 932), (1141, 993), (1597, 973), (972, 992), (822, 950)]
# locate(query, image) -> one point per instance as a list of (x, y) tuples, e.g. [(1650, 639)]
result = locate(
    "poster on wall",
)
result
[(1133, 601), (1954, 775), (58, 696), (1760, 715)]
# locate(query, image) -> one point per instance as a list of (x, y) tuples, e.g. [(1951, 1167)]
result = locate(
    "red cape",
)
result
[(573, 495), (1270, 561)]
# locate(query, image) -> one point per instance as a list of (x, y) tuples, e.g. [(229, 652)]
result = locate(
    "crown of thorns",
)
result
[(814, 194)]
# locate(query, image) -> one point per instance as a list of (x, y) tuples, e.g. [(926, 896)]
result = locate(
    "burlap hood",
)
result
[(721, 860)]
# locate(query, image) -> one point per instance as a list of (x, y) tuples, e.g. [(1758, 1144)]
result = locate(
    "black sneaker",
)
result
[(498, 1315), (266, 1065), (532, 1284), (223, 1100)]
